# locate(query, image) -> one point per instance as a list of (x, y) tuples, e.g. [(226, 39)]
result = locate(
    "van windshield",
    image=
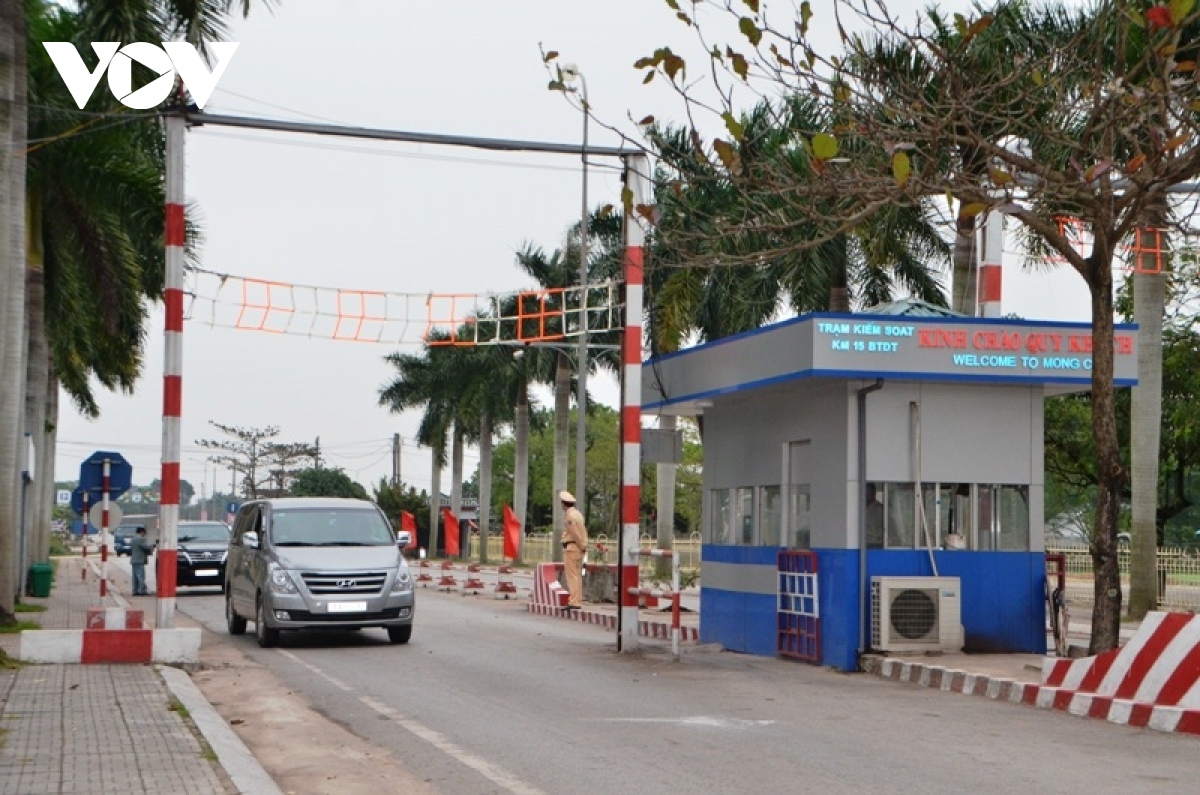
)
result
[(330, 527)]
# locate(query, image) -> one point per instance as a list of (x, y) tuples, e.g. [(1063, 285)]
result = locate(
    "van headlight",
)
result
[(403, 581), (281, 582)]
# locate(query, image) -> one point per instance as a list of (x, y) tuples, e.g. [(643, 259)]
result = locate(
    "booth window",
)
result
[(722, 518), (772, 516), (899, 514), (733, 519), (1003, 513), (745, 516), (801, 523)]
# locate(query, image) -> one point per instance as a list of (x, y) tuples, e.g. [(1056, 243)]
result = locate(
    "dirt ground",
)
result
[(306, 753)]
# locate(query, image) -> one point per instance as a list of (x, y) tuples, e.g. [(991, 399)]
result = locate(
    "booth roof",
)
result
[(911, 307)]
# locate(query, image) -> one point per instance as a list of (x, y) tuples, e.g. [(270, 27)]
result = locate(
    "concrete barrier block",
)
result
[(176, 645), (51, 646)]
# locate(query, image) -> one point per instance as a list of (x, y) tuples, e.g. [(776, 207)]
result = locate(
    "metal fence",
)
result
[(1178, 576)]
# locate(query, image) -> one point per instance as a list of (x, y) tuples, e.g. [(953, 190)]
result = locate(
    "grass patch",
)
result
[(14, 628), (26, 607), (206, 750), (7, 664)]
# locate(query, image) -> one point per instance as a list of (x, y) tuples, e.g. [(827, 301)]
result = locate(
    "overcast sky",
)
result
[(396, 218)]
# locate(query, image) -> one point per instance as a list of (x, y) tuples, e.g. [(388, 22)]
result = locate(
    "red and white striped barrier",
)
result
[(114, 618), (547, 590), (423, 576), (504, 582), (447, 581), (113, 635), (645, 629), (1151, 682), (1154, 680), (672, 594), (473, 583)]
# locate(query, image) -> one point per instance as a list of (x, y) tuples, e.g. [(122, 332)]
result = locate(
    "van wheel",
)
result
[(400, 634), (235, 623), (265, 636)]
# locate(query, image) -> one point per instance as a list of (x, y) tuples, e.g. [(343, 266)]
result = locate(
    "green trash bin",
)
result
[(40, 575)]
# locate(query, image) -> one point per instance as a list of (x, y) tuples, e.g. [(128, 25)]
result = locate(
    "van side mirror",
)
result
[(403, 539), (250, 539)]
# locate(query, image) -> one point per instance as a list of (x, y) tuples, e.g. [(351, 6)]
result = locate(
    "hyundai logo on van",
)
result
[(346, 583), (173, 57)]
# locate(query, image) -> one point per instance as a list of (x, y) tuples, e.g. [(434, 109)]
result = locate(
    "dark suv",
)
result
[(121, 538), (202, 550)]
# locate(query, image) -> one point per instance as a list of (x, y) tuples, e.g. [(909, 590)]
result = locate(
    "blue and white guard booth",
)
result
[(937, 416)]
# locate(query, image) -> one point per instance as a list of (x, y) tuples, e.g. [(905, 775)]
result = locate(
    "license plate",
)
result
[(347, 607), (206, 572)]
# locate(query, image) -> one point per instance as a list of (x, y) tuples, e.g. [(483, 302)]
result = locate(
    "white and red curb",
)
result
[(646, 629), (112, 635), (1152, 682)]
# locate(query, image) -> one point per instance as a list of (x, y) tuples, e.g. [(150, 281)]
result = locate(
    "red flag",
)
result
[(409, 522), (450, 522), (512, 533)]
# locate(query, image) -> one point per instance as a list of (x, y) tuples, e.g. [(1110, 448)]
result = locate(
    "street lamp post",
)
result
[(571, 72)]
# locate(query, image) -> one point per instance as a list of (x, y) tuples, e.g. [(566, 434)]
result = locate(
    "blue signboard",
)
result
[(91, 475), (77, 501), (232, 507)]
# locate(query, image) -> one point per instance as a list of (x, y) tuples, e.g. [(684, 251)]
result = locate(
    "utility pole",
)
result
[(396, 461), (317, 453)]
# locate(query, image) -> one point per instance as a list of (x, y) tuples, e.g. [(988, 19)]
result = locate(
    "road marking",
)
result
[(316, 671), (696, 720), (494, 773)]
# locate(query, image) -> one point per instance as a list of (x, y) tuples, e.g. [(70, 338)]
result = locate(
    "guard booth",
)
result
[(901, 444)]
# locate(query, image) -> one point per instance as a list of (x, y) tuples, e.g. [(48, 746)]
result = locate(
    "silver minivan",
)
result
[(316, 563)]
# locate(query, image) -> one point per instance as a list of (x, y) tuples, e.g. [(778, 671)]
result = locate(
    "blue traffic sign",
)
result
[(77, 501), (91, 474), (231, 507)]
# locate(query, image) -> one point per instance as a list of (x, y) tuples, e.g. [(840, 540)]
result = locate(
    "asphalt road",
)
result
[(489, 699)]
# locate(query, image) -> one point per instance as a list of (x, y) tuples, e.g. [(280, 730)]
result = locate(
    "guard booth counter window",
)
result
[(969, 516), (749, 516), (732, 519)]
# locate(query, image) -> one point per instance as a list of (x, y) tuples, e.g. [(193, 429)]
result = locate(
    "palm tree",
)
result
[(197, 21), (94, 199), (555, 271), (13, 109)]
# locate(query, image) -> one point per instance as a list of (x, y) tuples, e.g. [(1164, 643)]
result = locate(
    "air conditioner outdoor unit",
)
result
[(916, 614)]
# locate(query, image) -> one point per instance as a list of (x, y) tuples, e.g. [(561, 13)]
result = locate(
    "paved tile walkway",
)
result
[(95, 729)]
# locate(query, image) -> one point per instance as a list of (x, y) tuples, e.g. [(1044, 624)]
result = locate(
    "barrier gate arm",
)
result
[(662, 593)]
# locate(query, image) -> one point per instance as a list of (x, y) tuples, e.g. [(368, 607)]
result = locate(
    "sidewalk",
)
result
[(126, 728)]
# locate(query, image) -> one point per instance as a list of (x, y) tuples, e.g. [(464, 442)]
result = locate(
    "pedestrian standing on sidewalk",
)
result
[(139, 553), (574, 541)]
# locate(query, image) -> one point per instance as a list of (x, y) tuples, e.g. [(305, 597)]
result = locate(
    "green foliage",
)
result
[(1069, 450), (324, 482), (392, 500), (603, 477)]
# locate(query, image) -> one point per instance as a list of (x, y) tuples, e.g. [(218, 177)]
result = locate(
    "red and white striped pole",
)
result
[(84, 569), (991, 269), (105, 473), (637, 169), (168, 511)]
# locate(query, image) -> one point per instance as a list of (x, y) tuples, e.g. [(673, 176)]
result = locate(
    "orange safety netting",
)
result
[(1076, 234), (377, 316), (1148, 250)]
